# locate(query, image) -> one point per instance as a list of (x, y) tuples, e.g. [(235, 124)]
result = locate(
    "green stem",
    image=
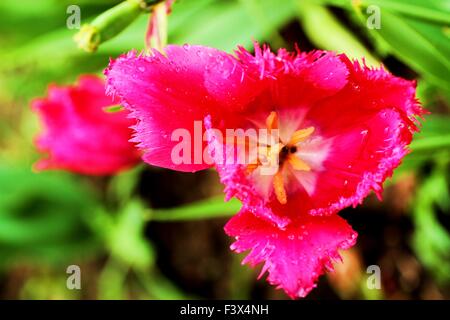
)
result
[(214, 207), (429, 143), (110, 23)]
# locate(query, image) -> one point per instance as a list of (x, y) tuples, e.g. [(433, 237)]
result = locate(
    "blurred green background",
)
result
[(156, 234)]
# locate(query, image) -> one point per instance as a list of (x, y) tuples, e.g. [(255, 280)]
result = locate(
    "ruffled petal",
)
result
[(296, 256), (176, 91), (78, 135), (369, 135)]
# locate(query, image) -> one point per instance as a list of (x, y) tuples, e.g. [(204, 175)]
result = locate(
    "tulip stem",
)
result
[(110, 23)]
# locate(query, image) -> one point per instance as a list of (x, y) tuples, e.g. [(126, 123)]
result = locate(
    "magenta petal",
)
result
[(163, 97), (311, 77), (171, 92), (370, 133), (296, 256)]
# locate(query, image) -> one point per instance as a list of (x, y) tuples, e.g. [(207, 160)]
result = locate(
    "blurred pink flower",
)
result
[(342, 129), (78, 135)]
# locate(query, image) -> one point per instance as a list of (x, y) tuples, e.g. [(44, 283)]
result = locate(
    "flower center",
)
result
[(283, 154)]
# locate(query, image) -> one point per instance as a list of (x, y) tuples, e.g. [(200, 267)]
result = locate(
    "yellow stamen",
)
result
[(269, 154), (298, 164), (278, 187), (272, 121), (251, 167), (301, 135)]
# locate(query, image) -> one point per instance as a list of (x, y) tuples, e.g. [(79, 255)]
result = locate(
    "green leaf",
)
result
[(430, 143), (437, 35), (212, 208), (41, 216), (432, 96), (431, 241), (229, 23), (433, 10), (435, 124), (122, 185), (422, 45), (326, 32), (126, 238), (418, 49), (434, 134)]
